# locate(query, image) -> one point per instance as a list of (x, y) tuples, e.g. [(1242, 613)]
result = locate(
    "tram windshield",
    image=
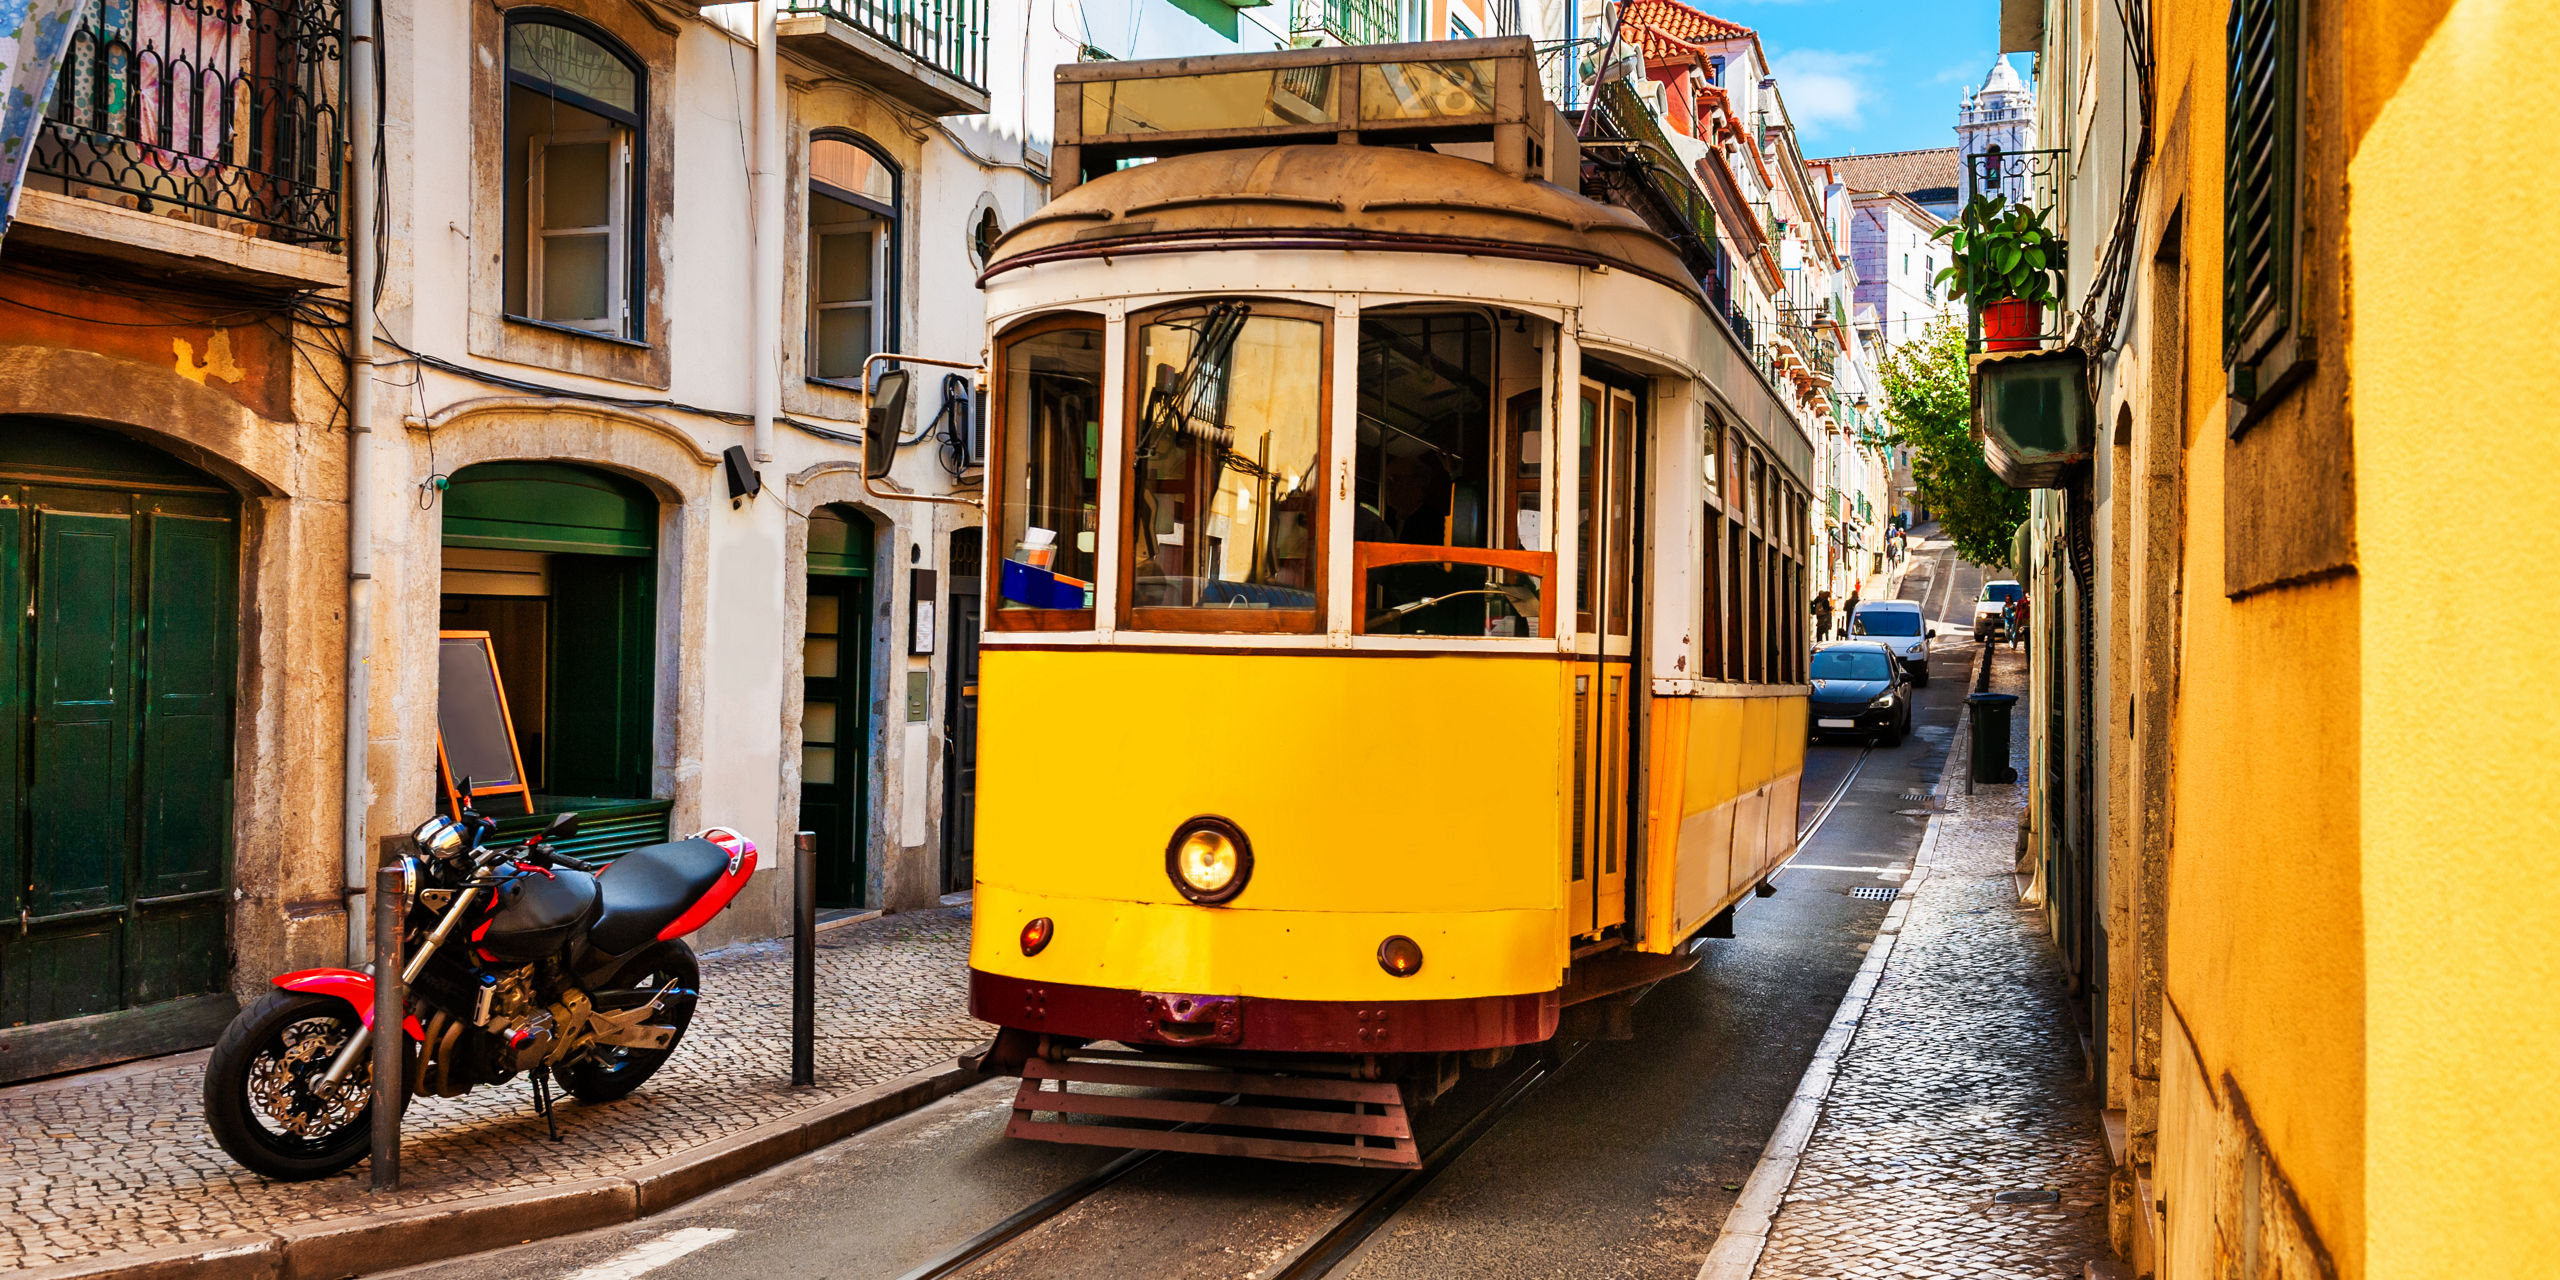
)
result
[(1226, 496), (1448, 458), (1049, 506)]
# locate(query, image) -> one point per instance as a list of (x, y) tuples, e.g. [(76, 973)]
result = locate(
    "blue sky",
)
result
[(1873, 75)]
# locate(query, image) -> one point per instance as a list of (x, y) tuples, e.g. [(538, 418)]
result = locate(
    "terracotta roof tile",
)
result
[(1666, 26), (1935, 169)]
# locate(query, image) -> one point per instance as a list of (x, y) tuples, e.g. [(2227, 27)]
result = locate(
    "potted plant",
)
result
[(2005, 261)]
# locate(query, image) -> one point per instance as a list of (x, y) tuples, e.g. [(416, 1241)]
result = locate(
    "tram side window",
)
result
[(1431, 471), (1048, 508), (1226, 511)]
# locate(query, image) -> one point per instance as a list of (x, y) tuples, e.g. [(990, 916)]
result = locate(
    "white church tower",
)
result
[(1997, 119)]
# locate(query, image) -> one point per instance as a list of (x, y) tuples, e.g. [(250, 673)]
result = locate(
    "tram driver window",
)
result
[(1226, 510), (1448, 457), (1049, 446)]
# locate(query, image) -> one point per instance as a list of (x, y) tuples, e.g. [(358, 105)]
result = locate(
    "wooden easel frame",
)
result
[(444, 767)]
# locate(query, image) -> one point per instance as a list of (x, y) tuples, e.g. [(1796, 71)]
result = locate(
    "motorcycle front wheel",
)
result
[(263, 1096), (608, 1073)]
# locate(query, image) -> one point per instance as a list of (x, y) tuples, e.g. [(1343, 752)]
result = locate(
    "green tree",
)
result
[(1928, 403)]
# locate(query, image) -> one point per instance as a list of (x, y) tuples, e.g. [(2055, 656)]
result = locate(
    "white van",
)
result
[(1897, 625)]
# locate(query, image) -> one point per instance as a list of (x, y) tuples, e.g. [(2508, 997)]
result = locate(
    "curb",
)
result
[(1736, 1252), (405, 1237)]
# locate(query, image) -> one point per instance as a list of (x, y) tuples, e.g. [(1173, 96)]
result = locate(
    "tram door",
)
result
[(1603, 673)]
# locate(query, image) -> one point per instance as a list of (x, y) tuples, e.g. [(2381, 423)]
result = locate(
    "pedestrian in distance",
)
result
[(1849, 611), (1822, 615), (2018, 625)]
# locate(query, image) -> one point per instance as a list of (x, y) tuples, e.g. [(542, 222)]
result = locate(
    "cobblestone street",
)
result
[(119, 1159), (1965, 1082)]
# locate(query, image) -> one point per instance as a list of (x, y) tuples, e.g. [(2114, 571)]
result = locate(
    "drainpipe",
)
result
[(764, 294), (362, 270)]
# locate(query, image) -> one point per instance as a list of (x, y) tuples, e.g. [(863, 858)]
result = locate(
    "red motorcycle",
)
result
[(519, 960)]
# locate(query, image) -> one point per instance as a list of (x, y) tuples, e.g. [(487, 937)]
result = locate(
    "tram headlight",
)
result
[(1209, 860)]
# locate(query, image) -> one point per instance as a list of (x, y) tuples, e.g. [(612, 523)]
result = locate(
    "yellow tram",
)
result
[(1341, 720)]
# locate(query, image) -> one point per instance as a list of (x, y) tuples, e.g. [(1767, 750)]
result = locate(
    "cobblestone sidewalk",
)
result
[(1964, 1082), (119, 1159)]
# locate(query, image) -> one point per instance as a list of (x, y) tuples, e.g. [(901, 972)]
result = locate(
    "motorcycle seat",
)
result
[(646, 889)]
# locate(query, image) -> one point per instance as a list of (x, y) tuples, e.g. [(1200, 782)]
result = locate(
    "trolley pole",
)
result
[(390, 909), (804, 958)]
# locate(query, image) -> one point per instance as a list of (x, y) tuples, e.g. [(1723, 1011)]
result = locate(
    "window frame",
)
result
[(994, 617), (617, 226), (887, 252), (1189, 620), (631, 288)]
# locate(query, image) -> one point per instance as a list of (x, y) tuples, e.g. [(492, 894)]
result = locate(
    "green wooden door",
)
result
[(117, 648), (835, 719)]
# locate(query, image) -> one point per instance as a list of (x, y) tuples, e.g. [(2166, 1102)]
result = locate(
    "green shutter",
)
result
[(549, 506), (83, 709), (13, 658), (186, 681), (838, 547), (603, 675), (2260, 139)]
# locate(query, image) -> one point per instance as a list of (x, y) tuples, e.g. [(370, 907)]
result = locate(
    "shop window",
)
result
[(1436, 467), (1048, 446), (853, 255), (573, 177), (1227, 453), (558, 564)]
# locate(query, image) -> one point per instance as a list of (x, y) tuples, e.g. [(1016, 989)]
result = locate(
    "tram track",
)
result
[(1338, 1243)]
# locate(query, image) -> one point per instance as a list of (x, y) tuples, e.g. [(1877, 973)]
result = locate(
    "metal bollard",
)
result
[(804, 959), (390, 1003)]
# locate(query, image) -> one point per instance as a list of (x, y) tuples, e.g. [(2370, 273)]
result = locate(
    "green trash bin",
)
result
[(1991, 736)]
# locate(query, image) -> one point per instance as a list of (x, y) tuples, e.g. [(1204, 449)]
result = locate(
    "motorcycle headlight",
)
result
[(1209, 860), (438, 837), (412, 876)]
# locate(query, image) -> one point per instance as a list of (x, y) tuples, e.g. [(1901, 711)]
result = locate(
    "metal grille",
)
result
[(948, 35), (1347, 21), (1875, 893), (226, 106)]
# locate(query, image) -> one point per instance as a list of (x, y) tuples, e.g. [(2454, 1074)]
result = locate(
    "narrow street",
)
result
[(1624, 1163)]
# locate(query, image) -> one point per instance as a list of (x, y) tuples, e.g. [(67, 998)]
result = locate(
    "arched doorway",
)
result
[(559, 565), (835, 702), (119, 574)]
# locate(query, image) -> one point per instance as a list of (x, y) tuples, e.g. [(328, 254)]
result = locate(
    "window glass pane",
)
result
[(1449, 598), (1587, 487), (559, 56), (1225, 497), (824, 611), (844, 341), (1050, 507), (846, 167), (1424, 471), (818, 766), (844, 262), (573, 277), (1426, 90), (577, 186), (818, 658), (1229, 100), (818, 722)]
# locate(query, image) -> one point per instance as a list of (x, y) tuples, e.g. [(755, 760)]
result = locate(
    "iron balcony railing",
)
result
[(1345, 21), (947, 35), (1819, 353), (227, 107), (2035, 179)]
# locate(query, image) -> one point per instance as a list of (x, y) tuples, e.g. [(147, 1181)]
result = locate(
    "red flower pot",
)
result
[(2012, 324)]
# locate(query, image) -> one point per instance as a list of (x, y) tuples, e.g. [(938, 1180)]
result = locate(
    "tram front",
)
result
[(1312, 694)]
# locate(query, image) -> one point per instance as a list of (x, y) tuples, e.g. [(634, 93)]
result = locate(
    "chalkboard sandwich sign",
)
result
[(475, 738)]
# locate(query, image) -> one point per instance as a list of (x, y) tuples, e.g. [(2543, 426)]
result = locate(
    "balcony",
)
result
[(928, 54), (1343, 21), (223, 113)]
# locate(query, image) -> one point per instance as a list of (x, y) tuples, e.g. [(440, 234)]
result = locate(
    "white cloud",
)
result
[(1825, 91)]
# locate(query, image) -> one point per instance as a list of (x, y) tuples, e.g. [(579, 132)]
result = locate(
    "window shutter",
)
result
[(2260, 141)]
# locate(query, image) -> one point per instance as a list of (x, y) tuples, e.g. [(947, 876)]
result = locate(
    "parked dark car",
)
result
[(1859, 690)]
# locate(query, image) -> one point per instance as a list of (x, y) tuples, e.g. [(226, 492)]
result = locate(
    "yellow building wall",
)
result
[(2458, 475), (2265, 918)]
